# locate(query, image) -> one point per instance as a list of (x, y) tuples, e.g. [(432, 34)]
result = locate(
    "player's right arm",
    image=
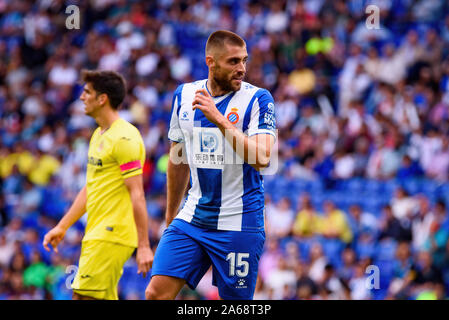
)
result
[(76, 211), (178, 174)]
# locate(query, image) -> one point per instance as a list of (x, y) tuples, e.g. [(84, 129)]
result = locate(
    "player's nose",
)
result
[(242, 68)]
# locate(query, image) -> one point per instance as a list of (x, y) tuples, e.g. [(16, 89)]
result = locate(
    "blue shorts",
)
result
[(187, 251)]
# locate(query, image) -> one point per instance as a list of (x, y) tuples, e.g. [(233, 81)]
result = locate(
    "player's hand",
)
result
[(144, 260), (204, 102), (53, 237)]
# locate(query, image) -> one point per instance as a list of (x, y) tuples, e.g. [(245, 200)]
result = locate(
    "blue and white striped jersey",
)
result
[(226, 193)]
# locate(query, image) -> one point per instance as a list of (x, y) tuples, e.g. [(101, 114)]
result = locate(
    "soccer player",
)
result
[(113, 197), (214, 123)]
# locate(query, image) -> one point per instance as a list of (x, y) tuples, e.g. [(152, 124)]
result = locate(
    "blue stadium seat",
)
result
[(332, 249), (373, 204), (314, 186), (336, 197), (365, 249), (317, 201), (390, 186), (429, 187), (444, 190), (412, 185), (297, 185), (304, 248), (353, 198), (386, 250), (386, 272), (354, 185), (379, 294), (373, 186)]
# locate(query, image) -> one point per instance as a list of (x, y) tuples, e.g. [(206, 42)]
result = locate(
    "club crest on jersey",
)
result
[(233, 116)]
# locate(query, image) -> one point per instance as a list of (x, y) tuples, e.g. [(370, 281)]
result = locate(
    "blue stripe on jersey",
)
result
[(247, 116), (253, 198), (264, 98), (177, 94), (208, 207), (253, 194)]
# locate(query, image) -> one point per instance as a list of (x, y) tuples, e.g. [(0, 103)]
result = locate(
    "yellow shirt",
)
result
[(7, 163), (335, 223), (306, 223), (46, 166), (115, 155), (25, 162)]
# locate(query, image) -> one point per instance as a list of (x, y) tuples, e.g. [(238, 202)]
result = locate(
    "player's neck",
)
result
[(214, 89), (106, 119)]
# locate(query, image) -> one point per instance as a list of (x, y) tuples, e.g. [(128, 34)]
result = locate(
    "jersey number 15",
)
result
[(242, 266)]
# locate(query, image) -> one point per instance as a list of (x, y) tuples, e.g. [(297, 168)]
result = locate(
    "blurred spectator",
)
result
[(334, 223), (269, 258), (6, 251), (306, 222), (439, 234), (280, 219), (361, 221), (349, 263), (280, 277), (402, 265), (260, 293), (331, 287), (409, 169), (426, 277), (306, 288), (391, 227), (317, 262), (357, 284), (403, 205)]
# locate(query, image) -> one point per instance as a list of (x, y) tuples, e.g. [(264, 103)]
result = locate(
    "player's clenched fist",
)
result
[(53, 237)]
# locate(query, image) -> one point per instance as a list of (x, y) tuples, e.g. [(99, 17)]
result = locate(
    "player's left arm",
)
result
[(128, 152), (144, 253), (254, 150)]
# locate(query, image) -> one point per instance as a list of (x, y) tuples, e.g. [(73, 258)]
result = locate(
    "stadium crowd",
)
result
[(363, 136)]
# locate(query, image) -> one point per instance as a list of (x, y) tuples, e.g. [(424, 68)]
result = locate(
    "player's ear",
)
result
[(210, 61), (102, 98)]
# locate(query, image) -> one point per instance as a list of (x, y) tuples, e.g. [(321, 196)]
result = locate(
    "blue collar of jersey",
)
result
[(217, 99)]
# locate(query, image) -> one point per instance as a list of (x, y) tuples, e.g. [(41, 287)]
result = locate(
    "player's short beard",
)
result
[(223, 80), (224, 83)]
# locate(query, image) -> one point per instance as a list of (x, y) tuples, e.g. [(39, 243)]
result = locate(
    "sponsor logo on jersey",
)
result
[(241, 284), (95, 162), (185, 116)]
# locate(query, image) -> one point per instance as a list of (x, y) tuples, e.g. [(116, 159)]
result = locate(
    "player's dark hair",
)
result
[(219, 38), (108, 82)]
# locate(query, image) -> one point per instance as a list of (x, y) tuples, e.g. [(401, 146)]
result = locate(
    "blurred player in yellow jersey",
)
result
[(113, 197)]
